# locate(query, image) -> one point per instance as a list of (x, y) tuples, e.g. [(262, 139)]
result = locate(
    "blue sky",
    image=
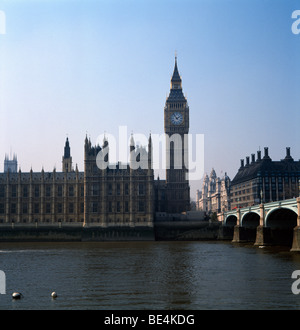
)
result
[(76, 67)]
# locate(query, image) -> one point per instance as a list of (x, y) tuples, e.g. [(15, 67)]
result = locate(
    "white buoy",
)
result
[(54, 295), (16, 295)]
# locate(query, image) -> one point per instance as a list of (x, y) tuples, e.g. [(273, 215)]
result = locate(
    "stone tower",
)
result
[(176, 122), (11, 165), (67, 159)]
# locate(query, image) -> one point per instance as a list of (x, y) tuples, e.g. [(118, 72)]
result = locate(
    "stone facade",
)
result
[(115, 196), (263, 180), (215, 194), (122, 196), (110, 197), (47, 197), (176, 125)]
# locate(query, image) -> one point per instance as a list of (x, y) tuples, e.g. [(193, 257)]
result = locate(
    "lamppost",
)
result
[(261, 196)]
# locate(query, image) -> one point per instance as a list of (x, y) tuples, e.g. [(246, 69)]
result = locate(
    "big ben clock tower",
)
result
[(176, 120)]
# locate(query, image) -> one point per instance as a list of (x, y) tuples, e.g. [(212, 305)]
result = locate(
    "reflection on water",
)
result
[(148, 275)]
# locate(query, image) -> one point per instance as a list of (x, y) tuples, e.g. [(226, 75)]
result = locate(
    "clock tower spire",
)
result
[(176, 79), (176, 122)]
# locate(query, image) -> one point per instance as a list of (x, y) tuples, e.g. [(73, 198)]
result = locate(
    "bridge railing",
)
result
[(256, 208)]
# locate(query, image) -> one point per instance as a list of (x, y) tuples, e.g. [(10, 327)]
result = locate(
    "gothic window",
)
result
[(48, 191), (13, 208), (14, 191), (141, 189), (109, 206), (36, 191), (95, 190), (48, 208), (141, 206), (36, 208), (25, 208), (59, 208), (25, 191), (126, 189), (2, 191), (126, 206), (71, 191), (118, 207), (109, 189), (59, 191), (2, 208), (94, 207)]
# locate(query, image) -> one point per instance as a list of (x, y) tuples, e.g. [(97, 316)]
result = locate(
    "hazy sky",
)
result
[(87, 67)]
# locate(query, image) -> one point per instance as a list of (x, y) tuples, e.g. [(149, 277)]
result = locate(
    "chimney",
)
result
[(288, 154), (242, 163), (258, 155), (252, 158), (266, 156), (247, 160), (266, 152)]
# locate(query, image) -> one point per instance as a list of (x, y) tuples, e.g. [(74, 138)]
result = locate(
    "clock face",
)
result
[(176, 118)]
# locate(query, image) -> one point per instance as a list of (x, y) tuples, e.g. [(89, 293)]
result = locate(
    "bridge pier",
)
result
[(238, 234), (237, 230), (263, 236), (296, 232), (243, 234), (296, 240)]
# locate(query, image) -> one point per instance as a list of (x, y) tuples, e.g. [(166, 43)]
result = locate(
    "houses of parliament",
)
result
[(122, 196)]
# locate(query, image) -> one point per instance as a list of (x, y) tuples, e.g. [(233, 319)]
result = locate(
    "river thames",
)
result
[(148, 275)]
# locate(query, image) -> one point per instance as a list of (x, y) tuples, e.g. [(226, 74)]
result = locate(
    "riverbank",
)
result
[(167, 230)]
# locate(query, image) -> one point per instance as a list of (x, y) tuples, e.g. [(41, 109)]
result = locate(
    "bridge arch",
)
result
[(250, 220), (281, 223), (281, 218), (231, 220)]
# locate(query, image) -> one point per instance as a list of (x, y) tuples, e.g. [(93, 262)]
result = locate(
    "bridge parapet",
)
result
[(264, 210), (279, 223)]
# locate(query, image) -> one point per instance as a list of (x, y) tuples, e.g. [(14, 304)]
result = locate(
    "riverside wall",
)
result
[(168, 230)]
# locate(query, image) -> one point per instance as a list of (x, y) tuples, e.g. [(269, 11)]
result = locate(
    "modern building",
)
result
[(215, 194), (123, 195), (264, 180)]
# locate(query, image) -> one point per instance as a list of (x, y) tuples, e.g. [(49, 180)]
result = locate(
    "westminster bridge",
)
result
[(274, 223)]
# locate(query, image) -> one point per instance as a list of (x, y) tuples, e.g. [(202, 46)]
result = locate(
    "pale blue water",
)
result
[(148, 275)]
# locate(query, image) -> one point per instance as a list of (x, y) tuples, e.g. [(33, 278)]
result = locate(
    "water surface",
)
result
[(148, 275)]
